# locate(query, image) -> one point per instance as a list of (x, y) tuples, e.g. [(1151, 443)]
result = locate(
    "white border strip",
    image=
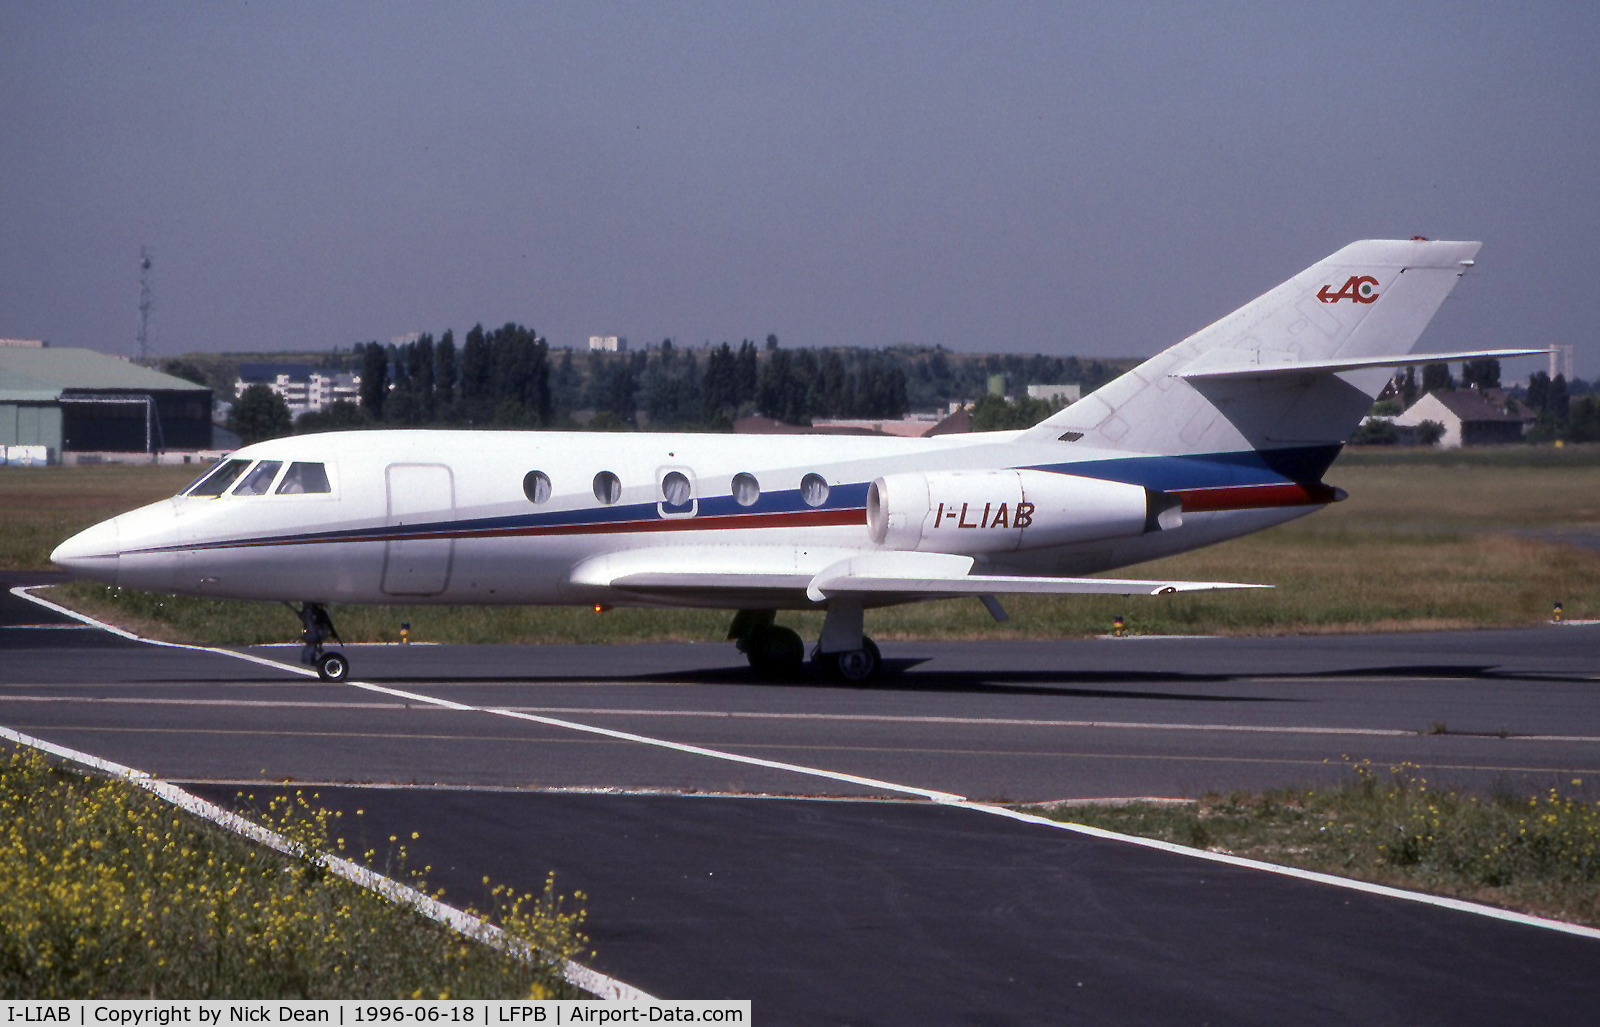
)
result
[(942, 798), (459, 920)]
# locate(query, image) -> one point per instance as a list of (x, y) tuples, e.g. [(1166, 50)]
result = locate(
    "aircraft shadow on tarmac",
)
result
[(896, 675), (1036, 683), (902, 675), (896, 678)]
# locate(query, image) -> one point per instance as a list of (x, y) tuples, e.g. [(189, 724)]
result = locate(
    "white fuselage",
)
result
[(415, 516)]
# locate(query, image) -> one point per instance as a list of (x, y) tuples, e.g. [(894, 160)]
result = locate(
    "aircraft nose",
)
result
[(91, 553)]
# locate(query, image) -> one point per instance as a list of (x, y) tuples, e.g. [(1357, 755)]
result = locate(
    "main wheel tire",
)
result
[(333, 667), (853, 666), (775, 651)]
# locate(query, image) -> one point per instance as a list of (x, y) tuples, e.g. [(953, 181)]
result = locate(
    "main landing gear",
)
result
[(855, 666), (315, 628), (844, 653), (773, 651)]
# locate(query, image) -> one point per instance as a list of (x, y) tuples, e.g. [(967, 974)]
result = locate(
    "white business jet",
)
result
[(1226, 433)]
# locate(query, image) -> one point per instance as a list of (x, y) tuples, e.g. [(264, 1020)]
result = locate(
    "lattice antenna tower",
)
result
[(145, 303)]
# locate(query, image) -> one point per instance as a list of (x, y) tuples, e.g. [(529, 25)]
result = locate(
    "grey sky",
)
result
[(1064, 178)]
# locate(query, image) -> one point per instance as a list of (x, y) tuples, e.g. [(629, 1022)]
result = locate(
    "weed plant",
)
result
[(109, 892), (1538, 853)]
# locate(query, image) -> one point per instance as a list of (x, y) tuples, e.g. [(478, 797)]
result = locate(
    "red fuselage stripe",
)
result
[(806, 519), (1254, 497)]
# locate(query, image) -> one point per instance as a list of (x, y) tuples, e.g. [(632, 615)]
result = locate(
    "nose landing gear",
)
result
[(315, 628)]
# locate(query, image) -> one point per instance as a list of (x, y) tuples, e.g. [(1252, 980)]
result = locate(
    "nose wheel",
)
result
[(333, 667), (316, 627)]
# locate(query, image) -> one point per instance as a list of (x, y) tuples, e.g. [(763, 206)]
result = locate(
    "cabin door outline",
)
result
[(418, 494)]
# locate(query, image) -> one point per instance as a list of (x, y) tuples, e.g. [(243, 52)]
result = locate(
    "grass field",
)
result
[(41, 506), (1536, 853), (1427, 540)]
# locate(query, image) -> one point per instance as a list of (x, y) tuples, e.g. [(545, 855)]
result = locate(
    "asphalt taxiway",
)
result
[(797, 843)]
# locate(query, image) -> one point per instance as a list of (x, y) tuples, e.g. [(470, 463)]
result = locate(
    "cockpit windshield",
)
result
[(259, 480), (248, 478), (216, 481)]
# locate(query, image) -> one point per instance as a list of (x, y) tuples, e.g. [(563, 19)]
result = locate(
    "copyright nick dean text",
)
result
[(459, 1013)]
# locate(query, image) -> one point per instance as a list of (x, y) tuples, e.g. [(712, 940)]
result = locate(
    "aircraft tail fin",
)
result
[(1297, 367)]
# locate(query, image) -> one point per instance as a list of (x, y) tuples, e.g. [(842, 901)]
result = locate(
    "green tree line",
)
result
[(510, 378), (1558, 413), (1560, 410)]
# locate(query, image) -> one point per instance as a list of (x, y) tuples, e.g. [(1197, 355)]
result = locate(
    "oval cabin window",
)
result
[(675, 488), (607, 487), (746, 489), (536, 486), (814, 489)]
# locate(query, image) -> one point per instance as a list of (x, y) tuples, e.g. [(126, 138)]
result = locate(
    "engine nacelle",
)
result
[(971, 512)]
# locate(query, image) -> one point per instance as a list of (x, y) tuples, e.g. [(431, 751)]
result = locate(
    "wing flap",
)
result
[(703, 581)]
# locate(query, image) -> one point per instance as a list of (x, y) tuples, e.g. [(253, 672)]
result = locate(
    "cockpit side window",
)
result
[(216, 481), (259, 480), (304, 478)]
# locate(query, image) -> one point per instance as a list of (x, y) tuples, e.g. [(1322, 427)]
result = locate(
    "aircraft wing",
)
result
[(929, 575), (883, 576)]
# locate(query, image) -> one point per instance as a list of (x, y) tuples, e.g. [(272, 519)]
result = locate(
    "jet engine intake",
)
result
[(972, 512)]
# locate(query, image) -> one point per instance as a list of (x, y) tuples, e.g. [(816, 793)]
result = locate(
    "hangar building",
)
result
[(76, 401)]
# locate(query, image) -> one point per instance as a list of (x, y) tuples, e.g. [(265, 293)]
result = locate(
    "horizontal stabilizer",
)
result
[(927, 575), (1228, 364)]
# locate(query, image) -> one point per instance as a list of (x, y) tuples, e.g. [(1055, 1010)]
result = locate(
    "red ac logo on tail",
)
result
[(1359, 288)]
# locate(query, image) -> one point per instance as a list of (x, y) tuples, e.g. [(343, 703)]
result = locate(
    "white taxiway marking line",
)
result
[(663, 743), (603, 711), (346, 645), (852, 718), (26, 592), (1365, 887), (884, 718), (944, 798), (1152, 638), (89, 700)]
